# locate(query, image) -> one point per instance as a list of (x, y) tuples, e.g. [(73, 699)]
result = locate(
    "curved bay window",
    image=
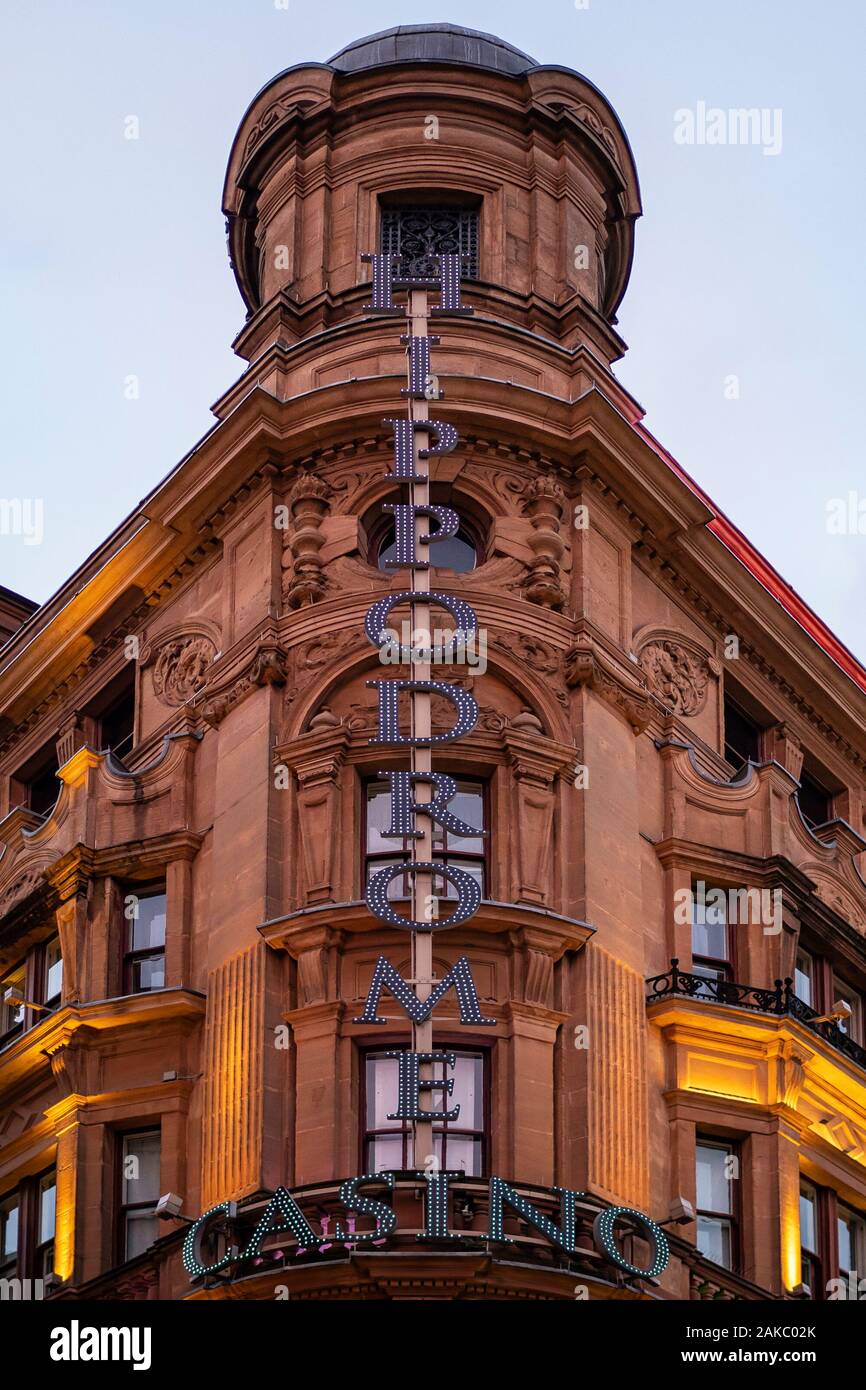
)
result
[(461, 852), (458, 1145)]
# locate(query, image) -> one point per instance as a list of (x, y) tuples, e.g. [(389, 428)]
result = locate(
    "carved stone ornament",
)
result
[(677, 676), (181, 667), (586, 664), (544, 504), (303, 572), (266, 666)]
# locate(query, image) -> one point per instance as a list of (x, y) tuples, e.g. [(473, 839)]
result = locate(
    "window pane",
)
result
[(379, 818), (714, 1240), (444, 888), (803, 977), (468, 1077), (9, 1227), (147, 927), (381, 1092), (463, 1154), (53, 971), (140, 1168), (808, 1220), (468, 805), (47, 1207), (141, 1231), (385, 1152), (713, 1187), (709, 929), (852, 1229), (148, 973)]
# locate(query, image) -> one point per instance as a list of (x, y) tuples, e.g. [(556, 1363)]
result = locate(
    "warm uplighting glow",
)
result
[(64, 1230), (791, 1270)]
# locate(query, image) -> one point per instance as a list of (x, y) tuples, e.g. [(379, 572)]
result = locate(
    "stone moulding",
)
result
[(265, 664), (588, 664)]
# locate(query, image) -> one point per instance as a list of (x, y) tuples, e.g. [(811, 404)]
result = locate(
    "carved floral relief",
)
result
[(680, 678), (180, 668)]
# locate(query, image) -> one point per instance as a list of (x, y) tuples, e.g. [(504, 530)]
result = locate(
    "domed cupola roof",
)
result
[(432, 43)]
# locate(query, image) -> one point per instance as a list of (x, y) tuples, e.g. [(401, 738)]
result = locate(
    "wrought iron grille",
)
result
[(781, 999), (419, 234)]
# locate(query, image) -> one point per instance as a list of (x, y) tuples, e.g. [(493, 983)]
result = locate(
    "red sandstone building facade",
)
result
[(191, 811)]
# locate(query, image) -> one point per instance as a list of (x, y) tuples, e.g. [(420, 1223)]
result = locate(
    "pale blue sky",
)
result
[(114, 262)]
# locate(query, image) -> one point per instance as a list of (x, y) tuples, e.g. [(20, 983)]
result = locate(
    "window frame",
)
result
[(827, 978), (474, 531), (734, 1149), (454, 858), (825, 1257), (130, 957), (730, 702), (34, 966), (122, 1208), (370, 1048), (859, 1269), (728, 963), (818, 790), (30, 1254)]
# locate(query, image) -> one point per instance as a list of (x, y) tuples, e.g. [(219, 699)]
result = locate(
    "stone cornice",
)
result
[(768, 1063), (492, 919), (79, 1027)]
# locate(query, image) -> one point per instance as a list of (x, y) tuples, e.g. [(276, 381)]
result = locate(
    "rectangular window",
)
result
[(144, 954), (52, 973), (47, 1204), (458, 1144), (711, 935), (815, 800), (10, 1209), (821, 987), (804, 976), (463, 852), (851, 1241), (715, 1172), (27, 1229), (812, 1242), (36, 785), (139, 1185), (742, 735), (37, 982), (114, 712)]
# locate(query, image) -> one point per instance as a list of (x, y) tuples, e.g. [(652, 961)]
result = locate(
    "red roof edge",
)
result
[(739, 546)]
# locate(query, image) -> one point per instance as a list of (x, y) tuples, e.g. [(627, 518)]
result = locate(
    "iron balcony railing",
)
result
[(781, 1000)]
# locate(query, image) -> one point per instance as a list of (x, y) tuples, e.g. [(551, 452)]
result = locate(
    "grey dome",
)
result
[(432, 43)]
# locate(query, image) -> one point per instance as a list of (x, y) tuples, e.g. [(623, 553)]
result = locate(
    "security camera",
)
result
[(681, 1213), (841, 1012), (14, 998), (169, 1207)]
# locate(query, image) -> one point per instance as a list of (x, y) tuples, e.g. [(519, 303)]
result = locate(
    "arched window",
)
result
[(461, 553)]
